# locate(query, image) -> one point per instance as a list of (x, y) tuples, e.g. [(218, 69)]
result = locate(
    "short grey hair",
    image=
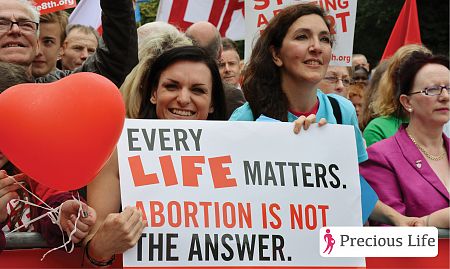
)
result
[(31, 9), (29, 6), (85, 29)]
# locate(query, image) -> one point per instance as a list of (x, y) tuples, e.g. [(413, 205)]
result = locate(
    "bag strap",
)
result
[(336, 109)]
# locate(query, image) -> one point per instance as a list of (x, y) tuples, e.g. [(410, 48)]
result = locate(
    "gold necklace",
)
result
[(428, 155)]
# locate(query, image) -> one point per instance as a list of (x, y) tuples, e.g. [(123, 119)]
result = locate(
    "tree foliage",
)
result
[(149, 11)]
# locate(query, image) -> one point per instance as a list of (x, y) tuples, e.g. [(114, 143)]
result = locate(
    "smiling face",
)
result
[(49, 49), (428, 110), (184, 92), (17, 46), (305, 52)]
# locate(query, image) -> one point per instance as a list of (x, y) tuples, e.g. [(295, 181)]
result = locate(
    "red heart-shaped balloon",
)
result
[(61, 133)]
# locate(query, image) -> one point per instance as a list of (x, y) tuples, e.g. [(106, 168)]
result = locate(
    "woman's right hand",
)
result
[(7, 193), (118, 233), (305, 122)]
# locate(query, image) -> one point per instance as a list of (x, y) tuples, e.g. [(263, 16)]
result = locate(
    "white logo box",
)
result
[(378, 242)]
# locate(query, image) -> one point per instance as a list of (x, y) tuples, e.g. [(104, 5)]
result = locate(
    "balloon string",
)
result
[(69, 239), (30, 192), (48, 208), (49, 214), (55, 216)]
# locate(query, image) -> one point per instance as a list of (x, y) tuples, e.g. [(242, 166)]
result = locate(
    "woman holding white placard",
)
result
[(182, 83), (280, 81)]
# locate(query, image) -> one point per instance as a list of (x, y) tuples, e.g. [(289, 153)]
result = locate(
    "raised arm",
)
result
[(117, 52)]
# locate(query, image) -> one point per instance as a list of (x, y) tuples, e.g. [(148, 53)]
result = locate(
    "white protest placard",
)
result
[(237, 193), (341, 15)]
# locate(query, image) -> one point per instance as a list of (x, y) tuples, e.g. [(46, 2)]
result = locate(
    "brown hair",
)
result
[(357, 90), (371, 92), (59, 17), (195, 54), (229, 44), (262, 82), (12, 74), (407, 73), (84, 29)]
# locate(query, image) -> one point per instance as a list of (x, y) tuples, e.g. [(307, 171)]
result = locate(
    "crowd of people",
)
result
[(398, 110)]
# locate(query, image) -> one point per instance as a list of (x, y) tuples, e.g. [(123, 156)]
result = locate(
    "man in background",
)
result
[(206, 35), (229, 64), (114, 58), (80, 43), (360, 59)]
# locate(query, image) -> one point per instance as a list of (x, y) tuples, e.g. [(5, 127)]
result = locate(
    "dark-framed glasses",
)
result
[(25, 25), (334, 80), (433, 90)]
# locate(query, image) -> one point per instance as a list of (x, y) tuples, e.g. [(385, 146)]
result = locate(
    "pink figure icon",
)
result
[(330, 241)]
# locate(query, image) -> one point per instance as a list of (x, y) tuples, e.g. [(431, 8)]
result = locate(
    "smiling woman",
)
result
[(288, 61), (182, 83)]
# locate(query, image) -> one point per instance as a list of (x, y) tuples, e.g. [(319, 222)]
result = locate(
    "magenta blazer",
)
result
[(402, 177)]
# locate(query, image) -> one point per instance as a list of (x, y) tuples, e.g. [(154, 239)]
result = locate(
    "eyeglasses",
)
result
[(334, 80), (24, 26), (433, 90)]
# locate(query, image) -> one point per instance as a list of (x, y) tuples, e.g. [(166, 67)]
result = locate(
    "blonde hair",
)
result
[(150, 48), (384, 103), (59, 17), (154, 29)]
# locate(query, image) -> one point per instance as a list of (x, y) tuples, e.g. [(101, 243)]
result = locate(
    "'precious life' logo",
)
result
[(378, 242), (328, 237)]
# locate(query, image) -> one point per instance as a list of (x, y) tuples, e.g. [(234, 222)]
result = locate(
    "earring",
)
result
[(410, 109)]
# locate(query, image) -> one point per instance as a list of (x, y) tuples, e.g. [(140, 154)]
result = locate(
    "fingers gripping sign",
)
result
[(306, 122)]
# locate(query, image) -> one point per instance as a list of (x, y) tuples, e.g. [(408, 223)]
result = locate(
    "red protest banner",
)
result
[(406, 29), (30, 258), (49, 6)]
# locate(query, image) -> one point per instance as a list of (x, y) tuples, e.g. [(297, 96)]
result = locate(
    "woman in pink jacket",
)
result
[(410, 171)]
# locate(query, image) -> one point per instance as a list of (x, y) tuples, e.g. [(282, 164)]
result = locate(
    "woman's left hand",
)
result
[(69, 212), (306, 122)]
